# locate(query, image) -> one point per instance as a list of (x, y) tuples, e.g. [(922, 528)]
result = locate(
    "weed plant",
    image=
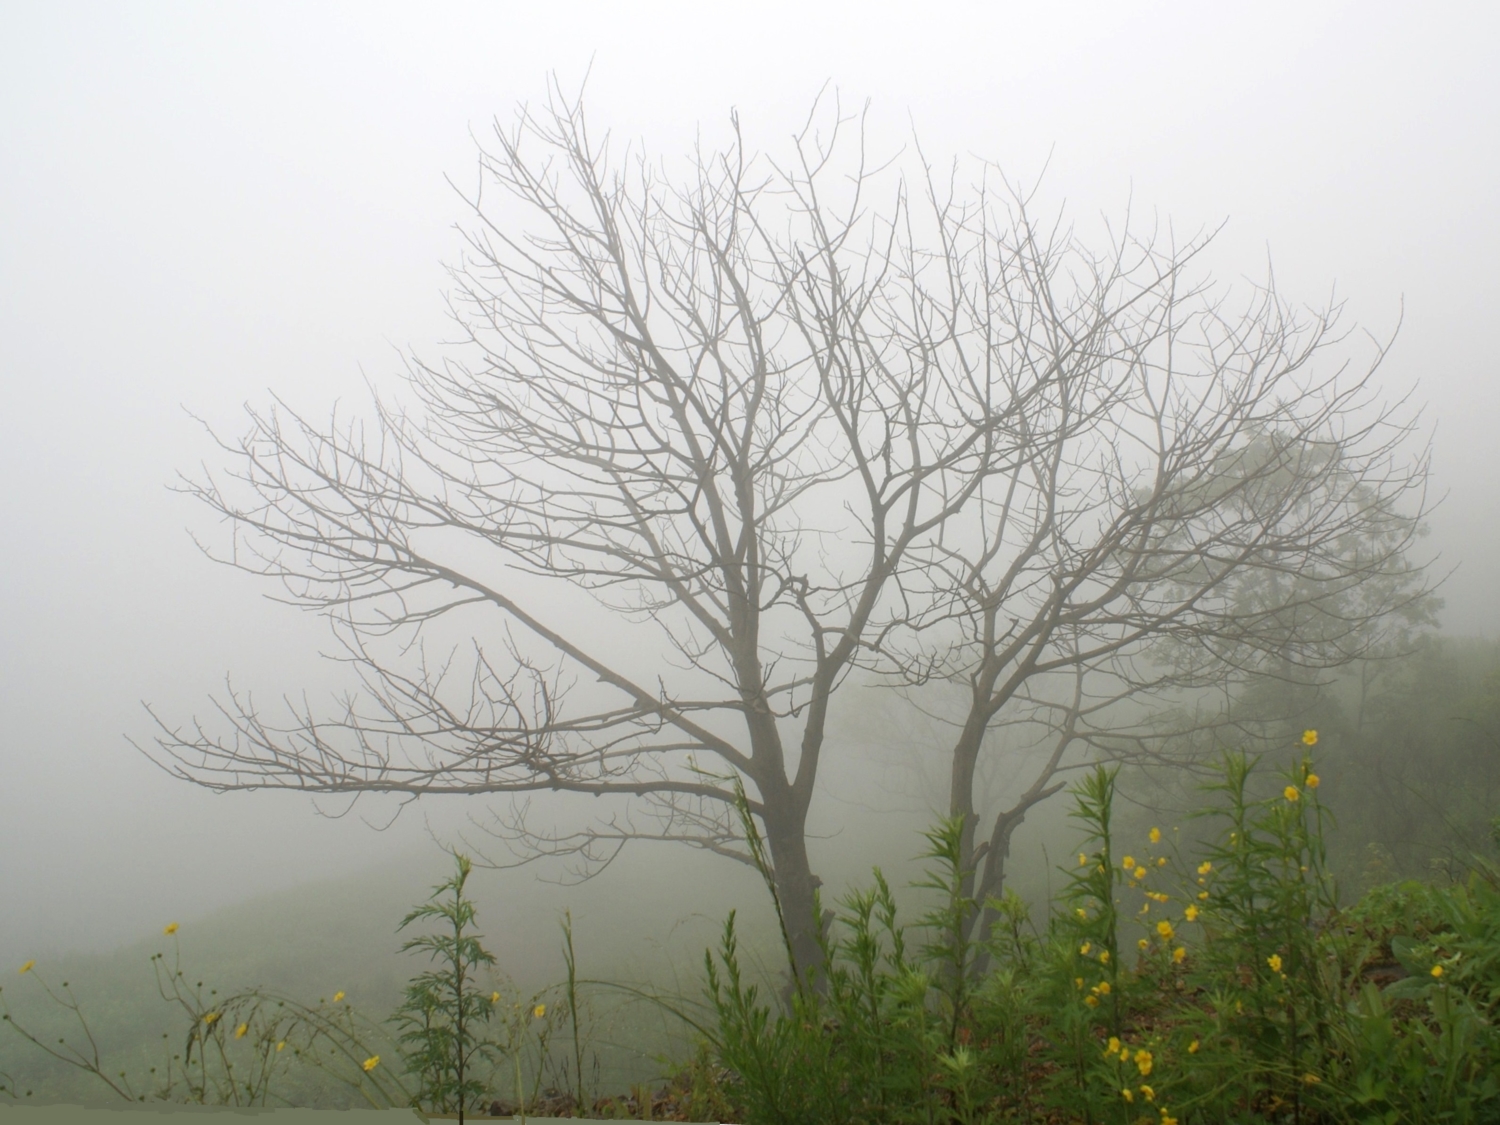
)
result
[(1222, 987)]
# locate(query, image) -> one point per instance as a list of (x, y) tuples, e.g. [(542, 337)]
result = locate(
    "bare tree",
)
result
[(785, 430)]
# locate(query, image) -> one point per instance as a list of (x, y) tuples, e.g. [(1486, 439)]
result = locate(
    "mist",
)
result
[(205, 206)]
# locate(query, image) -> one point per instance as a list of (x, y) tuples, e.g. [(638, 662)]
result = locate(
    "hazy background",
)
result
[(199, 203)]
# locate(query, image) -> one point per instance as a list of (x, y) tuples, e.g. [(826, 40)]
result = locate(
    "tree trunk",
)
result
[(796, 893)]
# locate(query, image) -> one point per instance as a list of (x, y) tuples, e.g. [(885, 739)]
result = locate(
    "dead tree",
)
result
[(786, 421)]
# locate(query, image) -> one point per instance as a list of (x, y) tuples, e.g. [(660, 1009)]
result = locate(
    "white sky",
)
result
[(203, 202)]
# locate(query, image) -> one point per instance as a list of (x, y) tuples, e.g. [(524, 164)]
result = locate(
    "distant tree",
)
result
[(792, 420)]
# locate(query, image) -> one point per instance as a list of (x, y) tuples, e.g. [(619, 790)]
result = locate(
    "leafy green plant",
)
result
[(443, 1017)]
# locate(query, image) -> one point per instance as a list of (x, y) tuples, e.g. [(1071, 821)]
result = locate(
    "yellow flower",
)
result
[(1083, 860), (337, 996), (1202, 896), (280, 1045), (1077, 982), (1179, 955), (1155, 835), (1139, 872), (1148, 1093), (1128, 1095), (1312, 781), (1127, 863), (211, 1017), (1309, 738), (1161, 861), (171, 928), (1157, 896), (1082, 913), (1437, 970), (239, 1032), (1275, 962), (1142, 944), (1114, 1046), (1310, 1079), (539, 1011), (1193, 1047), (26, 968), (371, 1063), (494, 998), (1166, 1119), (1104, 957), (1191, 913), (1091, 1001), (1164, 928), (1143, 1062), (1205, 867), (1102, 988), (1085, 947), (1291, 794)]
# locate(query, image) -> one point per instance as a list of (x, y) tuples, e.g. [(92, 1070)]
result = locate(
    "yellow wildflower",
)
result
[(1193, 1047), (1164, 928), (1205, 867), (26, 968), (337, 996), (1113, 1047), (1291, 794), (1309, 738), (1128, 862), (1167, 1119), (171, 928), (1085, 947), (1155, 835), (1311, 1079), (1275, 962), (1437, 970), (1128, 1095), (1104, 957), (1082, 913), (1142, 944), (1191, 913), (1179, 955), (239, 1032), (1091, 1001), (280, 1045), (1083, 860), (1161, 861), (371, 1063), (1139, 872), (1202, 896), (211, 1017), (539, 1011), (1077, 982), (1143, 1062), (1102, 988), (1148, 1093), (494, 998), (1312, 781)]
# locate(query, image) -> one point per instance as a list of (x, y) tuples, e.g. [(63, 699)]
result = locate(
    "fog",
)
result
[(204, 204)]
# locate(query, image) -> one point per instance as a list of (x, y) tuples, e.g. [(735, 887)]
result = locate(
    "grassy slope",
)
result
[(312, 940)]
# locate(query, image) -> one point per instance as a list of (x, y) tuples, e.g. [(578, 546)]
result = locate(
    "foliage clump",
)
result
[(1224, 986)]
